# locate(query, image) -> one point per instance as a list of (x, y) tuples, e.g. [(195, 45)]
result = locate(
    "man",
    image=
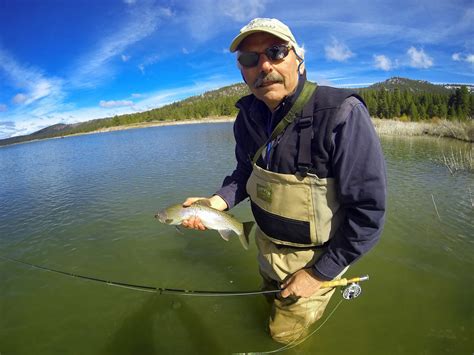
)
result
[(310, 161)]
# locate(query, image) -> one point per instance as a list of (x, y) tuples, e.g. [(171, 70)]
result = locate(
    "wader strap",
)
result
[(303, 98), (305, 129)]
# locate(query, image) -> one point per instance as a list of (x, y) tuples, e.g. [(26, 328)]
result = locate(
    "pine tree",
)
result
[(413, 112)]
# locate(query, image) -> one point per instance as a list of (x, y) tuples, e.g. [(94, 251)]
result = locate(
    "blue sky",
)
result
[(74, 60)]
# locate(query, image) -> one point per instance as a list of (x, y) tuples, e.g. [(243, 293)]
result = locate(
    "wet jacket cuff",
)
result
[(325, 269)]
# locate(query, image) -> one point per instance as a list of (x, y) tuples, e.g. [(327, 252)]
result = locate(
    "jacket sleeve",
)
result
[(233, 188), (360, 173)]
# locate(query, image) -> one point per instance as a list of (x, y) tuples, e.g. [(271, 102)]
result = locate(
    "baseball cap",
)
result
[(268, 25)]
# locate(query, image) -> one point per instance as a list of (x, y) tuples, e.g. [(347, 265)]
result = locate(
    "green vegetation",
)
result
[(410, 100)]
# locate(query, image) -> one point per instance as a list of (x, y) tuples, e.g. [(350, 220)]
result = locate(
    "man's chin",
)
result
[(269, 95)]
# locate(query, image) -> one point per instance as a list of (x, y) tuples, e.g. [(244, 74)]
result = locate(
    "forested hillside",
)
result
[(413, 100)]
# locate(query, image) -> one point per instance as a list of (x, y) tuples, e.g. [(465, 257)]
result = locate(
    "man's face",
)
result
[(269, 81)]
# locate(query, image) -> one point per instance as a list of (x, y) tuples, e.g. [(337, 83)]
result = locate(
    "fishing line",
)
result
[(145, 288)]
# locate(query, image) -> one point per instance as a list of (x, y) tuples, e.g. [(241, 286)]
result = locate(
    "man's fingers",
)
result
[(193, 223), (190, 200), (285, 293)]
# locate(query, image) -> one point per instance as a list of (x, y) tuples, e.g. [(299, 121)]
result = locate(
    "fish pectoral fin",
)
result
[(179, 230), (225, 234)]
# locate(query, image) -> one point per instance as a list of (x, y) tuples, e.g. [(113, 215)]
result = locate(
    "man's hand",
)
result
[(301, 284), (215, 202)]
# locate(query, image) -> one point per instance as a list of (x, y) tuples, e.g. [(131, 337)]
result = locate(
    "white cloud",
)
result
[(34, 85), (419, 59), (338, 51), (3, 108), (243, 10), (460, 57), (93, 67), (383, 62), (19, 99), (7, 129), (129, 2), (149, 60), (125, 58), (113, 103), (220, 15)]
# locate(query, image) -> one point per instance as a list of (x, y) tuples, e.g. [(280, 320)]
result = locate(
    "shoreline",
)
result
[(436, 128), (160, 123), (462, 131)]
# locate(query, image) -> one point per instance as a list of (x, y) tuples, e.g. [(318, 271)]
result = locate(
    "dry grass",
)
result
[(438, 128), (459, 161)]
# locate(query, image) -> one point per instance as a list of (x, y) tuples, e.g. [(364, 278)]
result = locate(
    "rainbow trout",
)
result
[(223, 222)]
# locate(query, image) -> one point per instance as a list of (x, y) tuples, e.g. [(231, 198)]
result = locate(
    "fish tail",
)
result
[(244, 237)]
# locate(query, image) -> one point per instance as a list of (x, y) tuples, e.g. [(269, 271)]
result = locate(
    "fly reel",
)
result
[(351, 288), (351, 291)]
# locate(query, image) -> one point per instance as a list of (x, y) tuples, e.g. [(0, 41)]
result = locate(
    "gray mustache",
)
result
[(263, 78)]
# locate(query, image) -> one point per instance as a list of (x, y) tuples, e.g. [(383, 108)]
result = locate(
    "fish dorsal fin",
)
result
[(225, 234), (203, 202)]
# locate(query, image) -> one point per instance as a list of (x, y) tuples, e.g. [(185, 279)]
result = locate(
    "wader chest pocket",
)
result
[(282, 228)]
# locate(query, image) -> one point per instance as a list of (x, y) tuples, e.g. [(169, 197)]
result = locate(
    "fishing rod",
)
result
[(353, 284)]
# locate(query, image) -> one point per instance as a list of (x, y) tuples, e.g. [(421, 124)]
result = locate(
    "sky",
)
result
[(68, 61)]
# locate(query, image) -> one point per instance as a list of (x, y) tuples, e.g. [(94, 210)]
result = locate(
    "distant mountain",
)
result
[(410, 85), (417, 86), (220, 102), (57, 128), (226, 91)]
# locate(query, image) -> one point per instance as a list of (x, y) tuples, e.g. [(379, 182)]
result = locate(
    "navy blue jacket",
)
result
[(347, 150)]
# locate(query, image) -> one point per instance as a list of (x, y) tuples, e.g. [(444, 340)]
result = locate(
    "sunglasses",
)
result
[(274, 53)]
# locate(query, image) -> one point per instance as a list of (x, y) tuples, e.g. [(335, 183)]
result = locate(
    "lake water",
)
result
[(85, 205)]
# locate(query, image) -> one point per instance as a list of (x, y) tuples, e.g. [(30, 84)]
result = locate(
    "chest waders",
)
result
[(296, 215), (299, 210)]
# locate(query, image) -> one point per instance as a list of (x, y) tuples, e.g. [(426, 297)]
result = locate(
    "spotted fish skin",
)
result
[(211, 218)]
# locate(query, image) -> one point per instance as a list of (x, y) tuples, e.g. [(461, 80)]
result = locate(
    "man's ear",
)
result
[(301, 64), (243, 77), (301, 67)]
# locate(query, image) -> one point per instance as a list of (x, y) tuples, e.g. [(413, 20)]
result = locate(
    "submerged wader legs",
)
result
[(290, 317)]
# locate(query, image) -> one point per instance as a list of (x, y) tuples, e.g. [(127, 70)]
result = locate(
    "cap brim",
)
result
[(237, 40)]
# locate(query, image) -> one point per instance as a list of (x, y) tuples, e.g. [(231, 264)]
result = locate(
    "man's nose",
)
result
[(264, 64)]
